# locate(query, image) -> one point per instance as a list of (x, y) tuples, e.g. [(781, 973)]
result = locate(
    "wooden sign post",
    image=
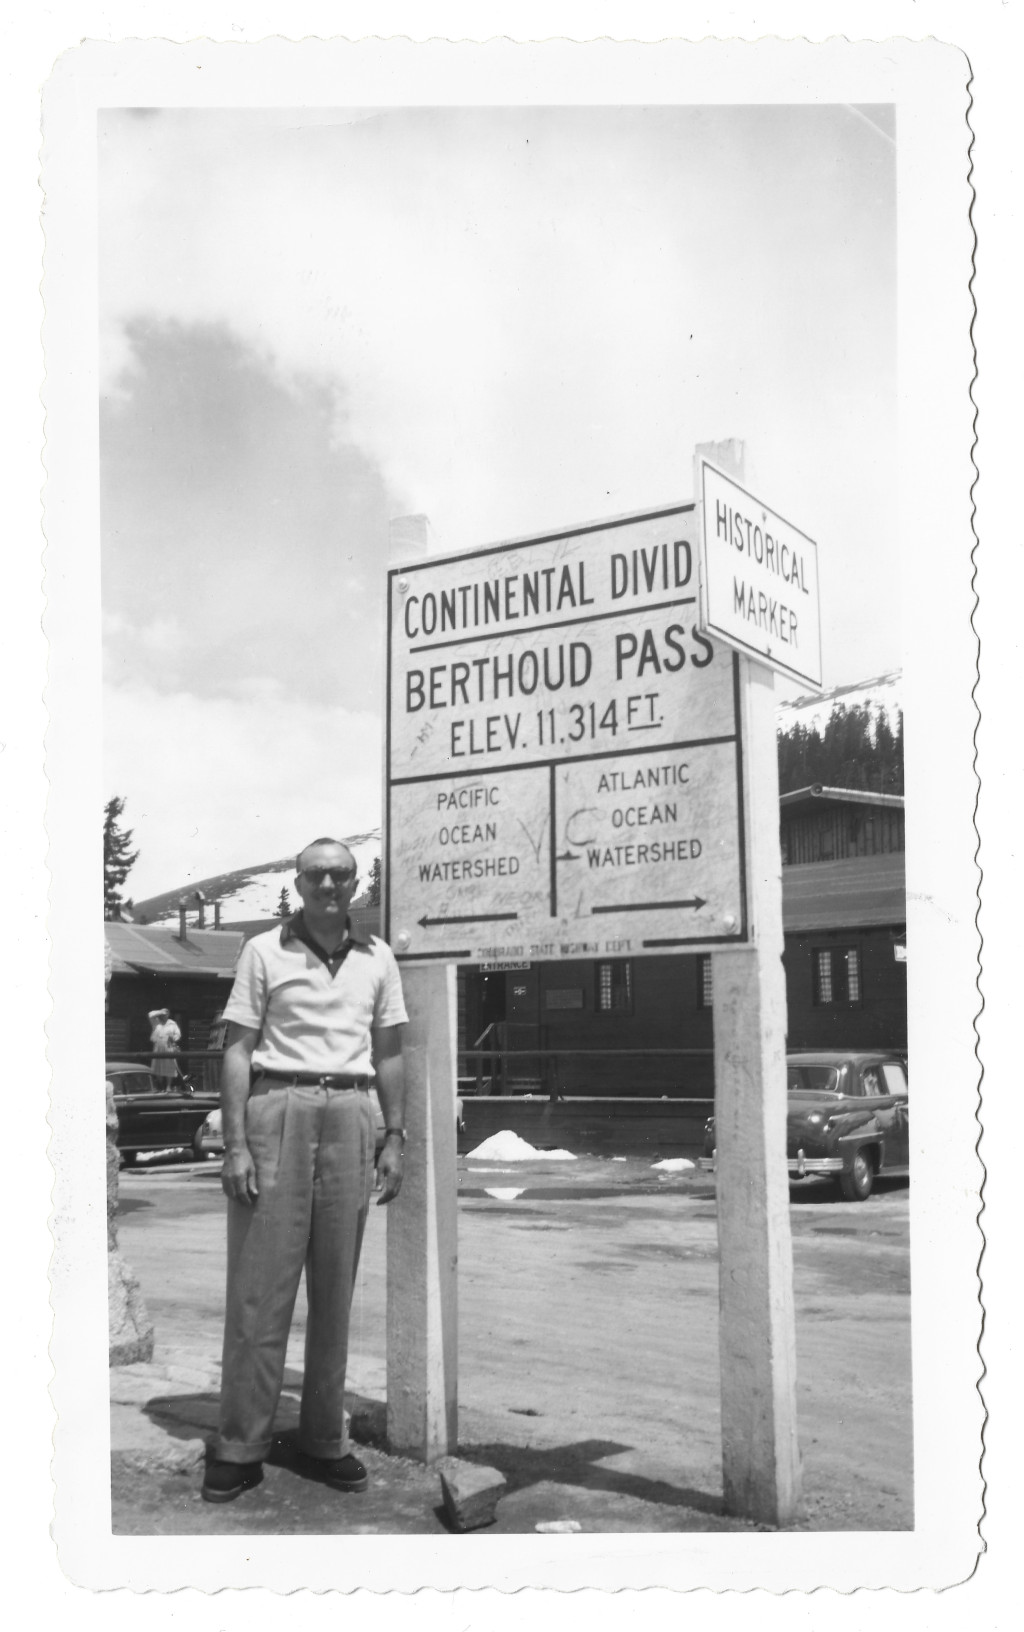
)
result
[(422, 1253), (422, 1250), (757, 1344)]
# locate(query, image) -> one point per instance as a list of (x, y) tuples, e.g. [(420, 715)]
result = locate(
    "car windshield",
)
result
[(815, 1079), (133, 1082)]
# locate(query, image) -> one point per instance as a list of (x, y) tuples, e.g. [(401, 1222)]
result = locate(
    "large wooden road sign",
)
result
[(576, 767), (760, 579), (564, 763)]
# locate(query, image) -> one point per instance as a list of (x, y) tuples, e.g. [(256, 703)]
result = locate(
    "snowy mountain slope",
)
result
[(250, 892), (885, 691)]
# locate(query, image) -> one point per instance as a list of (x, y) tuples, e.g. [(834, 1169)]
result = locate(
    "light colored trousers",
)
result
[(313, 1149)]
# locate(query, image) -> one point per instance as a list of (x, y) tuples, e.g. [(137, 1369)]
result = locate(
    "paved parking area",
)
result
[(588, 1347)]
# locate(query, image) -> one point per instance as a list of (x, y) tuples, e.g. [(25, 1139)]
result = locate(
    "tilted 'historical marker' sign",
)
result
[(564, 754), (760, 579)]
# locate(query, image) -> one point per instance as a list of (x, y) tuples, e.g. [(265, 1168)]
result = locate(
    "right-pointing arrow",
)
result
[(696, 902)]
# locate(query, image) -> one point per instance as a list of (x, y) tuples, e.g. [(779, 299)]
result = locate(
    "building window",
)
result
[(705, 986), (852, 970), (615, 987), (837, 976)]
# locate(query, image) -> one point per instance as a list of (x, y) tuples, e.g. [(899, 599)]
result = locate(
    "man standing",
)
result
[(308, 1001)]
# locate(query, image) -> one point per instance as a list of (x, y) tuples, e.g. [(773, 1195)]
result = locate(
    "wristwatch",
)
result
[(399, 1131)]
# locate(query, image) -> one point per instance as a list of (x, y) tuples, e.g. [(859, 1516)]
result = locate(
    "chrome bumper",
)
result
[(800, 1165)]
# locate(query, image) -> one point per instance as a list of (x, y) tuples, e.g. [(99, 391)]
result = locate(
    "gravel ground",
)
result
[(588, 1366)]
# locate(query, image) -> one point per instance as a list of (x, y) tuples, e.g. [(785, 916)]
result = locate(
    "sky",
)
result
[(507, 320)]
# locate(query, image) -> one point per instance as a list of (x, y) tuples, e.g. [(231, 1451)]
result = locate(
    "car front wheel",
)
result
[(855, 1182)]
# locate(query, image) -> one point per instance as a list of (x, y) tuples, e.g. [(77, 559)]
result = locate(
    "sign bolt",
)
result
[(729, 922), (402, 940), (403, 586)]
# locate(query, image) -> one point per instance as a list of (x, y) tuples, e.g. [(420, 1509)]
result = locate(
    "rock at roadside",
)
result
[(470, 1492), (130, 1329), (180, 1456)]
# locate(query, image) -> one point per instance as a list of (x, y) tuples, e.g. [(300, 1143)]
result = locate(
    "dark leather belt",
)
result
[(312, 1079)]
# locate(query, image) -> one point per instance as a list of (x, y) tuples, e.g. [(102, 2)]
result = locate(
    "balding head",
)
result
[(302, 860)]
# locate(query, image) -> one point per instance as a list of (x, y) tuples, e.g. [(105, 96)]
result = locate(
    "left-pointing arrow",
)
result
[(467, 918)]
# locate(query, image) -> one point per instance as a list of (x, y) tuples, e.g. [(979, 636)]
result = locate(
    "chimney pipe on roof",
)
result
[(216, 915), (201, 902), (182, 933)]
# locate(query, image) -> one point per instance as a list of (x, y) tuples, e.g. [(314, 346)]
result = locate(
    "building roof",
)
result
[(145, 949), (853, 894), (838, 796)]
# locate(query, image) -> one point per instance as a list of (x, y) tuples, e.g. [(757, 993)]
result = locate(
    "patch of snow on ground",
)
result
[(618, 1158), (674, 1164), (507, 1146)]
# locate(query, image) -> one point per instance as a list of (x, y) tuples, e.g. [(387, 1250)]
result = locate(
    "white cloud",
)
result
[(536, 314), (216, 784), (160, 636)]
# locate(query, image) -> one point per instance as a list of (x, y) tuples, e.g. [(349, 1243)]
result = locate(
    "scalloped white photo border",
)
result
[(928, 83)]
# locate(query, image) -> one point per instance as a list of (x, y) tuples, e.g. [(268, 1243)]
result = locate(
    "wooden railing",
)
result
[(549, 1058)]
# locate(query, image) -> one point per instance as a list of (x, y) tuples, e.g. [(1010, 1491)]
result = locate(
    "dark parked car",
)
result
[(155, 1113), (847, 1117)]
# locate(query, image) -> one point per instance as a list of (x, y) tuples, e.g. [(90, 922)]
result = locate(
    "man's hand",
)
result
[(389, 1169), (387, 1058), (238, 1176)]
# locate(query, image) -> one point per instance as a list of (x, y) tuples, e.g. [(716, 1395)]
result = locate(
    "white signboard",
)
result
[(564, 758), (760, 580)]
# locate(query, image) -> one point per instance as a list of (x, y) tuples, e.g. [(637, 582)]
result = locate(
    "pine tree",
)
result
[(883, 758), (898, 773), (846, 755), (118, 856), (284, 906), (372, 896)]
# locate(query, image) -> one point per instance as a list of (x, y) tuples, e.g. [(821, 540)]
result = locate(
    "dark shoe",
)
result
[(342, 1473), (226, 1480)]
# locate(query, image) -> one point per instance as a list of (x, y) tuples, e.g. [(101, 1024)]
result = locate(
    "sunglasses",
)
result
[(337, 875)]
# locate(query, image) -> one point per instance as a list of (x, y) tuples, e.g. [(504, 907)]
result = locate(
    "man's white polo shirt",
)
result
[(312, 1014)]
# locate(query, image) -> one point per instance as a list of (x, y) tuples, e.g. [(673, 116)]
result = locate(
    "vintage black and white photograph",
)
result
[(504, 687)]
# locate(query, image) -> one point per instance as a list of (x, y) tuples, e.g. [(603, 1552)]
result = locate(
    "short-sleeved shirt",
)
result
[(314, 1012)]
